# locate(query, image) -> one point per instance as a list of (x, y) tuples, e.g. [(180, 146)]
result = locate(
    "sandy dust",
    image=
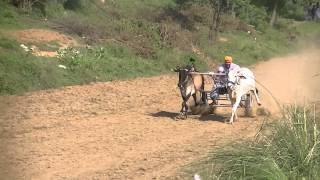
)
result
[(126, 129), (290, 79)]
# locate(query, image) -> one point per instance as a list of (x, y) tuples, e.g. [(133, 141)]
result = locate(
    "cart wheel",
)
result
[(250, 109)]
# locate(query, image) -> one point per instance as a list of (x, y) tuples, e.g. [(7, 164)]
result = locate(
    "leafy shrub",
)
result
[(74, 58), (293, 10), (74, 4), (90, 32), (251, 14), (70, 57)]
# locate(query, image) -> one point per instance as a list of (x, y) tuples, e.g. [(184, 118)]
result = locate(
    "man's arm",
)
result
[(220, 69)]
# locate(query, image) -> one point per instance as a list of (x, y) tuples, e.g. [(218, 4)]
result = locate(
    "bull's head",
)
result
[(183, 74), (233, 79)]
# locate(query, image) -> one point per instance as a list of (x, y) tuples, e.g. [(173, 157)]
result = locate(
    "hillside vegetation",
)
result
[(126, 39)]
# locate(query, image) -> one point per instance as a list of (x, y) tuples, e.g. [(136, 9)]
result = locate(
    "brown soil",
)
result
[(44, 36), (126, 129)]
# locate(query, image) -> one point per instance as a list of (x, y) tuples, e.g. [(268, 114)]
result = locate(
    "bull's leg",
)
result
[(204, 97), (257, 97), (233, 101), (186, 110), (195, 99), (184, 106), (234, 109)]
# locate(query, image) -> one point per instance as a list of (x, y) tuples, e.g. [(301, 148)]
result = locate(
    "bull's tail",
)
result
[(202, 83), (256, 94), (203, 93)]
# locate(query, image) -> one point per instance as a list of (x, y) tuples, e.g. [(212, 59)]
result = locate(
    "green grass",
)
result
[(21, 71), (12, 19), (48, 46), (288, 148), (132, 44), (130, 9), (117, 62), (248, 51), (270, 43), (8, 16), (30, 73)]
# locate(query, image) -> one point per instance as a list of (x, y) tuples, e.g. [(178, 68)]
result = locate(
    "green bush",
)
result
[(251, 14), (74, 4), (7, 15), (294, 10)]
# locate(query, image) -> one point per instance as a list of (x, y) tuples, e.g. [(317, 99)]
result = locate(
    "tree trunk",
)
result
[(214, 27), (233, 13), (217, 24), (274, 13), (211, 26), (25, 5)]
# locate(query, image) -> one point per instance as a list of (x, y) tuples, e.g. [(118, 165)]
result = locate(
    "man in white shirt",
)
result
[(220, 84)]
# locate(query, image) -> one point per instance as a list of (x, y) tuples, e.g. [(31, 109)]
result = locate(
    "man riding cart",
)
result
[(237, 85), (220, 82)]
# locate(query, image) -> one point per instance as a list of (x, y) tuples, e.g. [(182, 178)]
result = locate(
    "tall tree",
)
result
[(274, 13), (27, 4), (273, 7), (217, 8)]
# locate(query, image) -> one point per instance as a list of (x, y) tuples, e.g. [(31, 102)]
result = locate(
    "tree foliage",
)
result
[(218, 7), (29, 5), (255, 12)]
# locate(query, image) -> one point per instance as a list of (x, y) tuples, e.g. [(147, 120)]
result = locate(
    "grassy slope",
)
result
[(140, 51)]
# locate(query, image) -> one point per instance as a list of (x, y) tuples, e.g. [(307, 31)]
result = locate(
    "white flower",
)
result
[(24, 47), (62, 66), (196, 177)]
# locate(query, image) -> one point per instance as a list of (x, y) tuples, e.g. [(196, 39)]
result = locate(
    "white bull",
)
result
[(241, 81)]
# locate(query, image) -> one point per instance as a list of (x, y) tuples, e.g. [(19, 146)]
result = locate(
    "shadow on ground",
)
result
[(167, 114), (174, 115), (213, 117)]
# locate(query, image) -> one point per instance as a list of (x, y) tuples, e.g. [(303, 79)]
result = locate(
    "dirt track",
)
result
[(125, 129)]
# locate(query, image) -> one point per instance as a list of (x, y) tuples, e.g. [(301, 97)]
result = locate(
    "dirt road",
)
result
[(126, 130)]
